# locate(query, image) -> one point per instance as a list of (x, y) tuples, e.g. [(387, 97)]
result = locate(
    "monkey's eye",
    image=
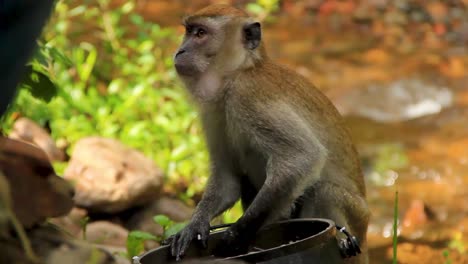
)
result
[(188, 29), (200, 32)]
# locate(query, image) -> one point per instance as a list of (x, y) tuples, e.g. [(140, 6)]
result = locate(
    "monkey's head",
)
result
[(218, 38)]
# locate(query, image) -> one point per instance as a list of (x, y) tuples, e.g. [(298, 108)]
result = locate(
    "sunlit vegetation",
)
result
[(105, 71)]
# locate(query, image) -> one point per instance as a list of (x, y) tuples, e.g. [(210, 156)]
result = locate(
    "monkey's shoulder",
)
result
[(270, 83)]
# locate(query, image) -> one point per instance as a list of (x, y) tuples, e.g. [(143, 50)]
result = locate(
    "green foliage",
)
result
[(169, 227), (263, 8), (457, 243), (135, 242), (162, 220), (233, 214), (108, 72), (84, 223), (446, 255), (39, 84), (390, 157)]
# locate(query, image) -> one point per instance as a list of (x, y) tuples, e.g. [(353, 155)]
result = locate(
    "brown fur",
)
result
[(274, 139)]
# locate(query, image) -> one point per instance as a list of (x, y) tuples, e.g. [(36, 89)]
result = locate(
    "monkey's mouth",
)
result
[(185, 70)]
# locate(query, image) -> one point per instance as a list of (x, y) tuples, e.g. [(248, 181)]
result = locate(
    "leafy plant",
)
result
[(263, 8), (136, 242), (457, 243), (83, 224), (101, 91), (110, 73), (169, 227), (446, 255)]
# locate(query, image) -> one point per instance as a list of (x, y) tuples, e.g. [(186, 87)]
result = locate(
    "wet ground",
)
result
[(404, 92)]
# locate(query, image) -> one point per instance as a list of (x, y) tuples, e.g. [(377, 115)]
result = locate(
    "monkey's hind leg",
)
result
[(345, 209)]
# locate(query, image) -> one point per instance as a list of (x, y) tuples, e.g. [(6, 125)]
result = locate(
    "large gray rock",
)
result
[(110, 177)]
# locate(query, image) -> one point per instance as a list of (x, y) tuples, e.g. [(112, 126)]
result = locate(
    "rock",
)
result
[(106, 233), (111, 177), (5, 205), (143, 218), (415, 217), (71, 222), (172, 208), (25, 129), (53, 247), (37, 192), (398, 101)]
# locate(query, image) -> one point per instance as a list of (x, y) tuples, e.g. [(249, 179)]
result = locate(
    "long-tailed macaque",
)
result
[(275, 141)]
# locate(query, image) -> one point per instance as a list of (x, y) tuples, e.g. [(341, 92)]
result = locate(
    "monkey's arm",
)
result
[(221, 192), (223, 187)]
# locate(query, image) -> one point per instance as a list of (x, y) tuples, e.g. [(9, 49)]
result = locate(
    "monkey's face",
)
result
[(202, 41), (222, 44)]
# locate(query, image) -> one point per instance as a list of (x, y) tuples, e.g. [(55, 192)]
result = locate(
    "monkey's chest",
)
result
[(250, 163), (252, 166)]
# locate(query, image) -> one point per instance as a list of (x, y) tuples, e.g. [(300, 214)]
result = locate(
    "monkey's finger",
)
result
[(183, 245), (178, 249), (174, 245)]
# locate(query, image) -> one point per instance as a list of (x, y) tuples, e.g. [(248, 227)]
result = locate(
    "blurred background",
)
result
[(102, 99)]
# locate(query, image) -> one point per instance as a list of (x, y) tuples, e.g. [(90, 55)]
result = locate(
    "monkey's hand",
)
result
[(198, 229), (234, 242)]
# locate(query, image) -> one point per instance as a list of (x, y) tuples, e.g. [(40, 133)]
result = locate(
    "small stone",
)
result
[(54, 247), (106, 233), (27, 130), (111, 177), (143, 219), (72, 221), (415, 215)]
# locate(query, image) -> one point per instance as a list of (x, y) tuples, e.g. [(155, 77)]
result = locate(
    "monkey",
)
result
[(275, 141)]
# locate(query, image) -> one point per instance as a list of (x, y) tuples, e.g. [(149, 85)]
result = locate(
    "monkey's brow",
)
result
[(196, 20), (193, 24)]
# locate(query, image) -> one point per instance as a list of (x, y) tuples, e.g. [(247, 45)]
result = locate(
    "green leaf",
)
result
[(136, 19), (39, 84), (162, 220), (141, 235), (174, 229), (135, 242), (128, 7), (255, 8), (85, 69), (84, 223), (59, 56)]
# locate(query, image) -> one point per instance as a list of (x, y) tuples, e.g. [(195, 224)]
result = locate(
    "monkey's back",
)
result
[(270, 82)]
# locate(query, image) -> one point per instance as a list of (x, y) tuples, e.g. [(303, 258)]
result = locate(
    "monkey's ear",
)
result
[(252, 35)]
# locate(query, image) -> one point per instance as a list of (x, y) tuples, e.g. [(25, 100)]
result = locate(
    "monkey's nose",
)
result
[(179, 52)]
